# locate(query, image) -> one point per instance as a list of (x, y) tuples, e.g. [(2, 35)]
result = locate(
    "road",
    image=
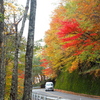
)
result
[(64, 96)]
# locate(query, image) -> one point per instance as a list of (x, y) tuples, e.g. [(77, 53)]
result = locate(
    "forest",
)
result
[(16, 54), (71, 53)]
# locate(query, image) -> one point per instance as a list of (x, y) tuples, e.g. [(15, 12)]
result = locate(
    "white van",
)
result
[(49, 86)]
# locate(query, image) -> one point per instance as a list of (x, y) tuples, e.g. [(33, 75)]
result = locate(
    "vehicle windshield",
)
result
[(49, 84)]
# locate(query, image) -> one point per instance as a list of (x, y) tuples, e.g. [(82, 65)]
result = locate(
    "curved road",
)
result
[(64, 96)]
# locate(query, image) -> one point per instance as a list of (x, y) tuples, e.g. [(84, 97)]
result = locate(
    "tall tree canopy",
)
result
[(73, 38)]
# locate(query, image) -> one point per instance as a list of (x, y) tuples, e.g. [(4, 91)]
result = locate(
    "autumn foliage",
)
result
[(73, 38), (47, 71)]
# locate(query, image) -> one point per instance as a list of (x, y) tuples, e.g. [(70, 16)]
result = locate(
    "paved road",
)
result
[(64, 96)]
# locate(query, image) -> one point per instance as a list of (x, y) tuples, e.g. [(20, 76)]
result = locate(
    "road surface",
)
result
[(64, 96)]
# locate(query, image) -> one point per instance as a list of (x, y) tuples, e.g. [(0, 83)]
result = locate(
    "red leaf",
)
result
[(21, 76), (87, 41), (75, 42), (79, 52), (72, 38), (43, 60), (68, 27), (47, 71), (93, 34)]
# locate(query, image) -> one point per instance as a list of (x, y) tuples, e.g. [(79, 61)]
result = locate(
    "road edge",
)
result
[(80, 94)]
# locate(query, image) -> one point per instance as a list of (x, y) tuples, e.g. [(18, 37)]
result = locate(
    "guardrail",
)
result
[(37, 96)]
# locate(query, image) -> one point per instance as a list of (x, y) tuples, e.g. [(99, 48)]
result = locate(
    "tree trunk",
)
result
[(14, 85), (1, 21), (2, 71), (29, 54), (13, 94), (2, 65)]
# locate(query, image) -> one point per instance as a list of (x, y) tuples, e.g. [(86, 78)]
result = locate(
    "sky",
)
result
[(43, 12)]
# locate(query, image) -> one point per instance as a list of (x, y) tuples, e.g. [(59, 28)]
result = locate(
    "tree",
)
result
[(13, 94), (37, 70), (10, 51), (73, 37), (53, 48), (82, 34), (29, 54), (89, 21), (2, 65)]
